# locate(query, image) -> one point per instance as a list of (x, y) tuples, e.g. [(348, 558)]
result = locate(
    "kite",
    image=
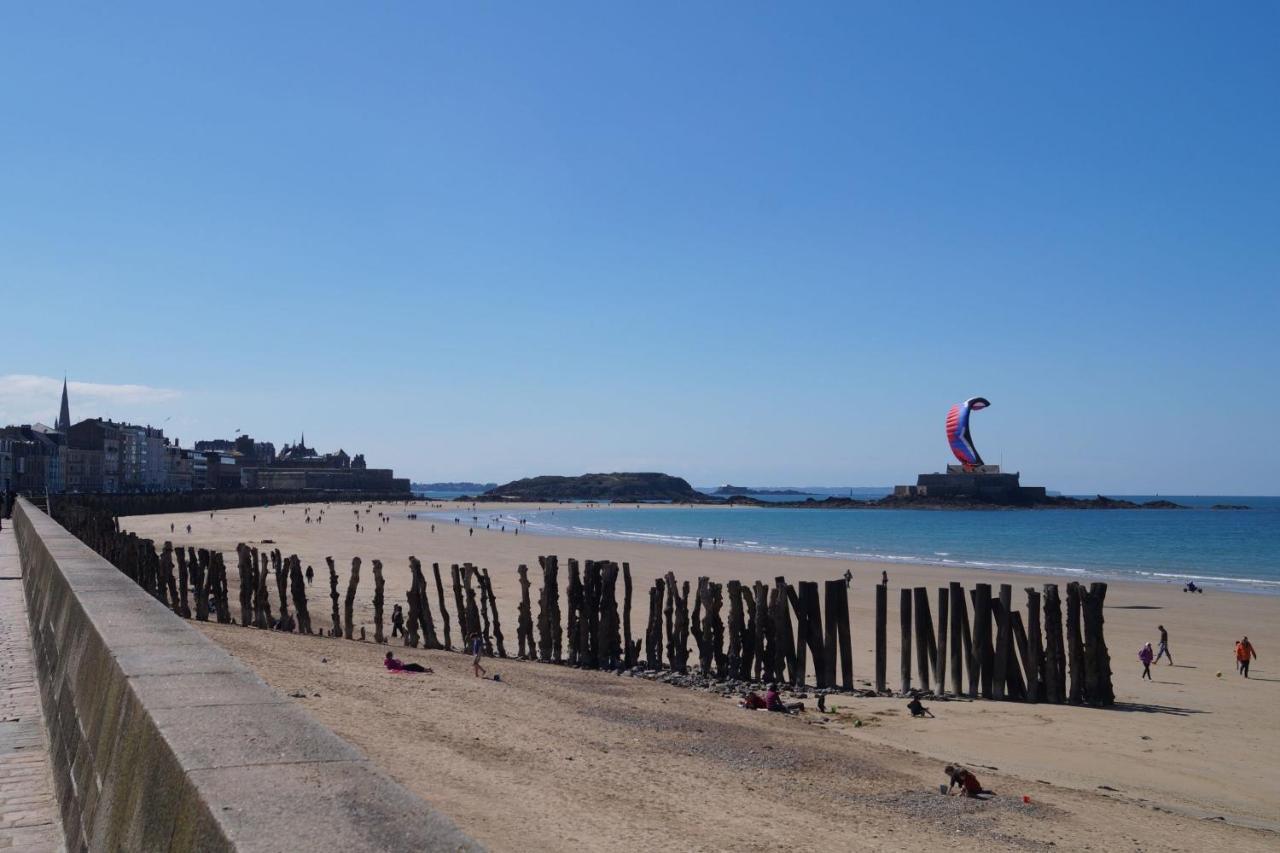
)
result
[(958, 431)]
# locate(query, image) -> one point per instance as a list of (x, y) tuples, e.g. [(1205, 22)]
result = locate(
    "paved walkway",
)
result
[(28, 810)]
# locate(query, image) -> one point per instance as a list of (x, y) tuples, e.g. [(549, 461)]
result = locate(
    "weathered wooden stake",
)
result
[(444, 611), (924, 636), (349, 602), (1034, 652), (958, 647), (336, 631), (526, 647), (982, 646), (1054, 652), (378, 636), (904, 622), (1075, 648), (882, 650)]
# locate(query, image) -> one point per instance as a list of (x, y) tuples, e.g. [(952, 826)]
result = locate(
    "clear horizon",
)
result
[(732, 243)]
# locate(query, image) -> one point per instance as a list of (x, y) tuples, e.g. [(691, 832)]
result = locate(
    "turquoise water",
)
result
[(1220, 549)]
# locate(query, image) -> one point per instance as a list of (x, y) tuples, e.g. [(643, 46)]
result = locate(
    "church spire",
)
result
[(64, 415)]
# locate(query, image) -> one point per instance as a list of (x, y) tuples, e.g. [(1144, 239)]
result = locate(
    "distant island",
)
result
[(625, 487), (618, 487), (452, 487), (747, 490)]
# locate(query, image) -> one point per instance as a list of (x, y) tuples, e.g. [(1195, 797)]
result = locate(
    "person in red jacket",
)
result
[(1245, 653), (968, 783)]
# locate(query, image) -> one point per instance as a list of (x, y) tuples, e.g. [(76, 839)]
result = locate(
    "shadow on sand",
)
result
[(1148, 708)]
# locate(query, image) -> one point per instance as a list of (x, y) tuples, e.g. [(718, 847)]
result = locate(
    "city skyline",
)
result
[(766, 248)]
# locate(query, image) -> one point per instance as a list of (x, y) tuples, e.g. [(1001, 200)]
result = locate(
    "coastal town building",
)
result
[(99, 455)]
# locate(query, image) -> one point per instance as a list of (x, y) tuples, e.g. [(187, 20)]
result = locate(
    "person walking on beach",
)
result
[(884, 578), (1163, 652), (397, 621), (1146, 655), (1245, 653), (477, 651)]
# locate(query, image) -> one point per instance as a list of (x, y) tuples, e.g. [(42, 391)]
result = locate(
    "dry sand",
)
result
[(561, 759)]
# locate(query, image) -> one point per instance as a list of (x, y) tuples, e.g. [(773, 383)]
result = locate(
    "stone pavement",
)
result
[(28, 811)]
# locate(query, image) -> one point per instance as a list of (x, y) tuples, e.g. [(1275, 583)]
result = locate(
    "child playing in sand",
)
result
[(969, 784)]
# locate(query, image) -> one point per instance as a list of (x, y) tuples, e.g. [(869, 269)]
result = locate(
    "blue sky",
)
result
[(734, 242)]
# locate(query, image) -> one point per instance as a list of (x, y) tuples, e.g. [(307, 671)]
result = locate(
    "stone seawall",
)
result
[(160, 740)]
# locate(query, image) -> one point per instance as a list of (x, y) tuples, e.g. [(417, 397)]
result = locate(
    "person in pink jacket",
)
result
[(1146, 655)]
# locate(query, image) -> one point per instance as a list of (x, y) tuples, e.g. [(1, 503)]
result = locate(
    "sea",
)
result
[(1236, 550)]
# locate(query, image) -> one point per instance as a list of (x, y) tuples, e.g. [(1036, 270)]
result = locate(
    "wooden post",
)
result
[(1003, 644), (737, 627), (336, 631), (349, 602), (844, 636), (1034, 651), (748, 633), (184, 584), (882, 617), (653, 633), (982, 639), (526, 648), (792, 653), (574, 598), (1015, 686), (631, 653), (464, 629), (940, 657), (682, 626), (924, 636), (762, 630), (486, 587), (198, 565), (282, 585), (444, 613), (904, 621), (477, 622), (378, 636), (218, 576), (668, 614), (1054, 652), (956, 646), (834, 592), (1075, 648), (298, 588), (1097, 660), (246, 588)]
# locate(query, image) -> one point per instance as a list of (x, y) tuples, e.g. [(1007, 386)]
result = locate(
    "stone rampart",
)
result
[(160, 740)]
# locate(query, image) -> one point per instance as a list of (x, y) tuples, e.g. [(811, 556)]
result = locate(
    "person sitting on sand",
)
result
[(773, 702), (968, 783), (753, 702), (917, 709), (395, 665)]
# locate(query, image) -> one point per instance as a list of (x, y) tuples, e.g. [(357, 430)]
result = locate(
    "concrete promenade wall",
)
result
[(160, 740)]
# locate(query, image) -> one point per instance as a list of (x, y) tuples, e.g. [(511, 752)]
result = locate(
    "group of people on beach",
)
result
[(1244, 653)]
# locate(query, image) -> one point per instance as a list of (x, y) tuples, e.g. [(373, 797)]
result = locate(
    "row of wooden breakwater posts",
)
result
[(767, 635)]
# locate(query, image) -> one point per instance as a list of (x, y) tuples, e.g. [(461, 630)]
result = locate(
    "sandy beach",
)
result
[(561, 759)]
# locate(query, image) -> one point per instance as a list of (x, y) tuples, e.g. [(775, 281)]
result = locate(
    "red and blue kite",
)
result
[(958, 431)]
